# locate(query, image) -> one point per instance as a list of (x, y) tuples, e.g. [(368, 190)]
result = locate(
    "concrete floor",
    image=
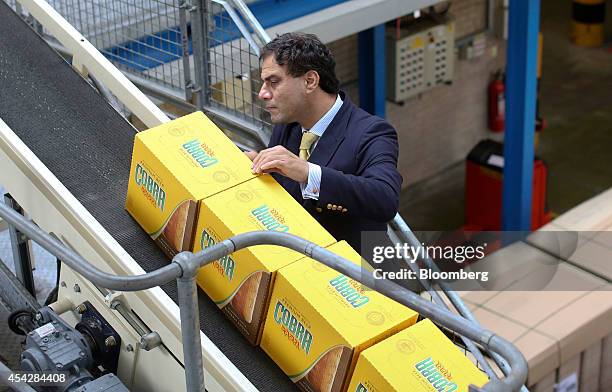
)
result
[(576, 102)]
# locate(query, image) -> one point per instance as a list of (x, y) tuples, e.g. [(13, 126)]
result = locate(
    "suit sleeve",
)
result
[(373, 191)]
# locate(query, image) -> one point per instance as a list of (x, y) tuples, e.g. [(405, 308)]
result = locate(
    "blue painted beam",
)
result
[(274, 12), (372, 70), (521, 69)]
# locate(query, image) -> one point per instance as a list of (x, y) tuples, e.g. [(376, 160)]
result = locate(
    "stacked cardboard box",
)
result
[(564, 330), (174, 167), (553, 329), (420, 358), (240, 284), (191, 187), (319, 320)]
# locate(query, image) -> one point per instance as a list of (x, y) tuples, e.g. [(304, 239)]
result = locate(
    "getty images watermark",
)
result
[(409, 253), (488, 260)]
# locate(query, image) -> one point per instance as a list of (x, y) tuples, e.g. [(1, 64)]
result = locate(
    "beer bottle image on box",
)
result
[(174, 167), (241, 282), (420, 359), (319, 320)]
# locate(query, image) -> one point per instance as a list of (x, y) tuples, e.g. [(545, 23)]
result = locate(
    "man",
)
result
[(337, 160)]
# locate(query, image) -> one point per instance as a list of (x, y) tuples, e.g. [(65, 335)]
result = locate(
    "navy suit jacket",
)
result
[(358, 158)]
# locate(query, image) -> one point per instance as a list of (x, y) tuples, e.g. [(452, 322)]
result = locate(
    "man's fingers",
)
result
[(258, 159), (265, 160), (251, 154), (266, 156), (275, 166), (270, 171), (262, 155)]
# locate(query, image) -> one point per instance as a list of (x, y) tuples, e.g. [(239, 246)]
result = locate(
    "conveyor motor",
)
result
[(87, 354)]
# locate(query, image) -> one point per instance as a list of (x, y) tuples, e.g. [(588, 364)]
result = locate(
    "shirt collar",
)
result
[(321, 125)]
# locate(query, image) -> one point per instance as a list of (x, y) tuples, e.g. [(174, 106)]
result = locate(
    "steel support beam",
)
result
[(350, 17), (372, 70), (21, 251), (199, 25), (12, 292), (524, 21)]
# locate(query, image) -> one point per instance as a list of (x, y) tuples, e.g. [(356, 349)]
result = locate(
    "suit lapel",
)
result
[(326, 146), (294, 137), (333, 136)]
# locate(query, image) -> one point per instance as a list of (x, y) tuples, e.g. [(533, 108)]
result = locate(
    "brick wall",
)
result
[(470, 16), (345, 54), (440, 127)]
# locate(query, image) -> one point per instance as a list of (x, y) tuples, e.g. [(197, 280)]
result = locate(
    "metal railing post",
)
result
[(190, 321), (187, 82), (199, 25)]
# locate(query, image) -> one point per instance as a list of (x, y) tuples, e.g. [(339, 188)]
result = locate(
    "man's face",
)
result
[(283, 95)]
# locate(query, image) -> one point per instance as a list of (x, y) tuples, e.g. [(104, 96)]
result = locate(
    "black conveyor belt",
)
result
[(88, 146)]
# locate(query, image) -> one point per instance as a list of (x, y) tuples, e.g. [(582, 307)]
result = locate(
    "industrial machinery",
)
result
[(85, 356), (125, 317)]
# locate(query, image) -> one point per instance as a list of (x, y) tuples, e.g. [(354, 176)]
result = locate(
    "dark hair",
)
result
[(302, 53)]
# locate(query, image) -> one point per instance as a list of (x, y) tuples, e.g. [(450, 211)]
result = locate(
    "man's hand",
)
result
[(251, 154), (280, 160)]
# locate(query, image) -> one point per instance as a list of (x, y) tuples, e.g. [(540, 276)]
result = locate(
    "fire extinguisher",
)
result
[(497, 103)]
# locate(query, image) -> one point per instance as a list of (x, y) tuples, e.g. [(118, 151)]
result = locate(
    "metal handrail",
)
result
[(251, 136), (87, 58), (185, 265), (246, 13), (239, 11), (238, 21), (400, 228)]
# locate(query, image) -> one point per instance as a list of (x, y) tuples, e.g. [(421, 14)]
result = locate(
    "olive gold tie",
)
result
[(308, 138)]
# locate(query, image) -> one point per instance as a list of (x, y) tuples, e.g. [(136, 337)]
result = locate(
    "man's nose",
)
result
[(264, 93)]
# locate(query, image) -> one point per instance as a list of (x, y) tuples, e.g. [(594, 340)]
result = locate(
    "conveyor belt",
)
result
[(88, 146)]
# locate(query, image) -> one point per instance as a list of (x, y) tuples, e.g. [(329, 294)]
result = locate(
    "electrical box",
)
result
[(420, 56)]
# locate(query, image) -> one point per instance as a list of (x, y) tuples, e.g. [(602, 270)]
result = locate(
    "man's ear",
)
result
[(312, 80)]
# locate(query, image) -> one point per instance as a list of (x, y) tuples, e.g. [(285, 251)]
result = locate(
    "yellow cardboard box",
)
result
[(174, 166), (240, 284), (319, 320), (418, 359)]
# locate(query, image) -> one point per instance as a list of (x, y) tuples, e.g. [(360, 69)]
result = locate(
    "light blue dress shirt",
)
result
[(311, 189)]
